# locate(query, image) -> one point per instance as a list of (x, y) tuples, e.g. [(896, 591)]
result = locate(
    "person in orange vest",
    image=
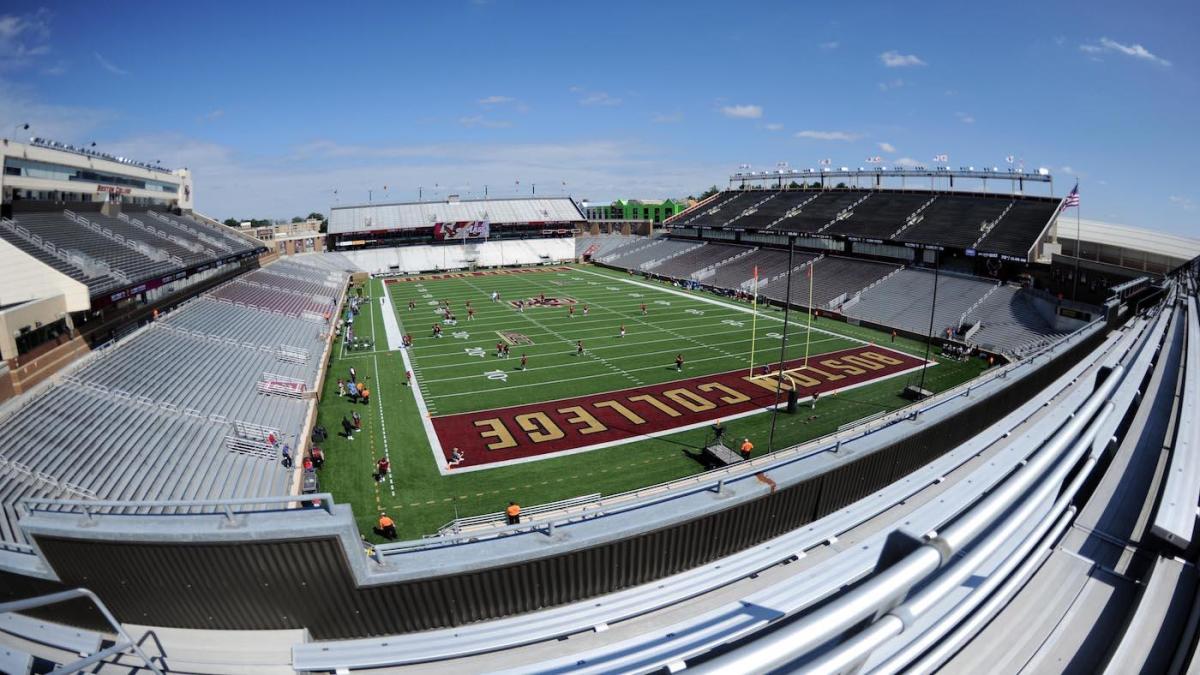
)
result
[(747, 447), (386, 528), (513, 512)]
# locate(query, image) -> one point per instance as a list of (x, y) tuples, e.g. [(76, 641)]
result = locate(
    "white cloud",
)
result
[(71, 124), (110, 66), (887, 147), (483, 122), (893, 84), (1184, 203), (827, 46), (496, 100), (964, 118), (828, 135), (213, 115), (1133, 50), (894, 59), (667, 118), (23, 37), (750, 112), (907, 162), (773, 126), (595, 97), (1067, 170)]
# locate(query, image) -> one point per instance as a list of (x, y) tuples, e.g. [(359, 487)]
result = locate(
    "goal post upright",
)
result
[(754, 321)]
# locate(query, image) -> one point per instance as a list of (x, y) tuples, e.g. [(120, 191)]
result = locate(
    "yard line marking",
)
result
[(713, 301), (563, 338), (571, 363), (662, 366)]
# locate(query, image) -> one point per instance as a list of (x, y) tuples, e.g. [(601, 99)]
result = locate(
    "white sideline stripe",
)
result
[(713, 301), (390, 323), (379, 403), (676, 430)]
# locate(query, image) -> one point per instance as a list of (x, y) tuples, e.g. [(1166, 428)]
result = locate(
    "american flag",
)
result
[(1072, 197)]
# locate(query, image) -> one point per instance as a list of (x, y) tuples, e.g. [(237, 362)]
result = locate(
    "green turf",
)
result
[(453, 381)]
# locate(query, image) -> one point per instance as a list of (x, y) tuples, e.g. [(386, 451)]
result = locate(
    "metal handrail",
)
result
[(124, 643), (878, 594), (227, 506)]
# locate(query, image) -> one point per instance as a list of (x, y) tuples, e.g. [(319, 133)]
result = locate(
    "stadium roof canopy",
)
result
[(1129, 237), (411, 215)]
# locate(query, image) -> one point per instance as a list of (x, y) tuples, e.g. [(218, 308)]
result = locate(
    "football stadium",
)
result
[(898, 417)]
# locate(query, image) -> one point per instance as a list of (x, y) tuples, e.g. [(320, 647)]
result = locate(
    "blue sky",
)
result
[(275, 106)]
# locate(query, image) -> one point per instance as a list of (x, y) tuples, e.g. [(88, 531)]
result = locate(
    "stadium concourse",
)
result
[(733, 446)]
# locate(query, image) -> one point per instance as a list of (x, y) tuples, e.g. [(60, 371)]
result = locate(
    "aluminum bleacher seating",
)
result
[(686, 265), (67, 234), (814, 214), (955, 220), (177, 410), (1019, 229), (632, 255), (271, 299), (904, 301), (833, 277), (880, 216), (97, 281), (725, 206), (1009, 322)]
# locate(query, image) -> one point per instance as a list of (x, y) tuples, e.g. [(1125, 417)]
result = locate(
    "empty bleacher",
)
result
[(1009, 322), (904, 301), (1019, 229), (994, 223), (833, 277), (69, 235), (96, 279), (880, 216), (632, 257), (954, 220), (686, 265), (725, 206), (250, 294), (177, 410)]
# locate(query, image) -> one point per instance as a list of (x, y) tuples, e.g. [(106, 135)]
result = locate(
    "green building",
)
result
[(653, 210)]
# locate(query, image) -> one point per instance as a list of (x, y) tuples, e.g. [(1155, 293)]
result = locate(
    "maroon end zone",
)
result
[(471, 275), (611, 418)]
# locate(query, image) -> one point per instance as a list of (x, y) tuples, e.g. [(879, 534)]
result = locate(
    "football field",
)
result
[(591, 397)]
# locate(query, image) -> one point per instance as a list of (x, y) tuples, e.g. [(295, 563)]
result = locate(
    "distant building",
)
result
[(653, 210), (289, 238)]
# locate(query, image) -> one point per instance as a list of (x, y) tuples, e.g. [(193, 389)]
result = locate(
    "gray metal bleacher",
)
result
[(652, 258), (880, 216), (69, 235), (97, 281), (632, 255), (833, 277), (817, 213), (955, 220), (686, 265), (1175, 518), (189, 253), (178, 410), (904, 300), (721, 209), (1009, 322)]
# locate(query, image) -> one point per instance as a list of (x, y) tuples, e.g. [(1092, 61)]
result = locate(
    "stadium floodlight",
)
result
[(1043, 172), (844, 168)]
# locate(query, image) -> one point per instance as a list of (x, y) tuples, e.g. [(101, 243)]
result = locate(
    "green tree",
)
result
[(794, 185), (316, 216), (709, 192), (297, 219), (232, 222)]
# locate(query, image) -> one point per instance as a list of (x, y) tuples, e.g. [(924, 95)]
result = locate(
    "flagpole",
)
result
[(754, 321), (1078, 247)]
